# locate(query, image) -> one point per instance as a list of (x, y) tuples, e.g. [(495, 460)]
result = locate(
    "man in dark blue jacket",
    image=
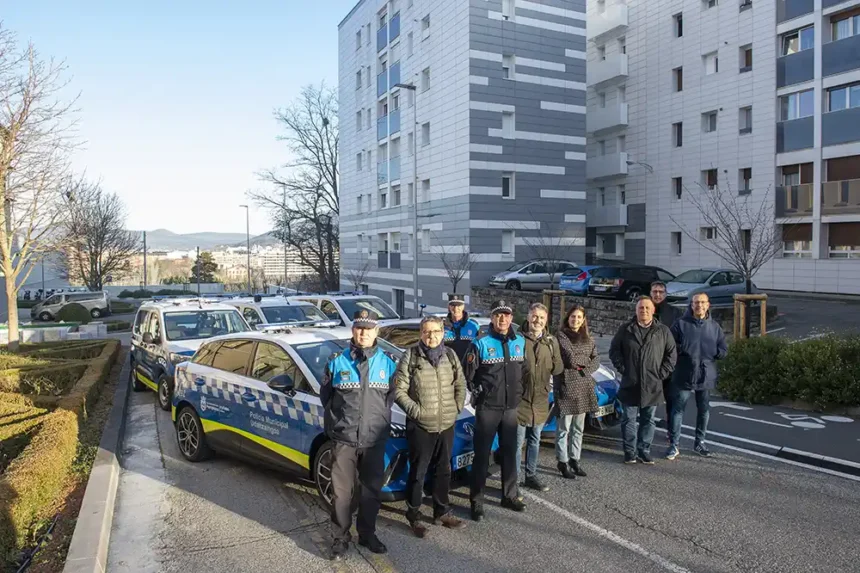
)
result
[(700, 342)]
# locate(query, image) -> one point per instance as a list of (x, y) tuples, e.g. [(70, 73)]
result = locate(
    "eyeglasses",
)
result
[(432, 332), (655, 291)]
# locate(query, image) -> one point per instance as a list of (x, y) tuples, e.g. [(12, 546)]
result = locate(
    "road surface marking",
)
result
[(755, 420), (823, 458), (732, 405), (606, 534), (839, 419)]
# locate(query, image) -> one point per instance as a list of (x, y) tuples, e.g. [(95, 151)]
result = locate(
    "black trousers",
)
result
[(487, 424), (667, 396), (428, 450), (370, 465)]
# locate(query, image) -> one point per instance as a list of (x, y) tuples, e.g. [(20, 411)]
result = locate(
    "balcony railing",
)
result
[(381, 38), (394, 121), (395, 26), (795, 134), (611, 117), (394, 168), (613, 68), (795, 68), (791, 9), (394, 74), (840, 56), (612, 165), (381, 172), (382, 127), (838, 127), (381, 83), (794, 200), (840, 198), (613, 20), (608, 216)]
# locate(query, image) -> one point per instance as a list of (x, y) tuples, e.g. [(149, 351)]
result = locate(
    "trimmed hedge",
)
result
[(72, 350), (47, 381), (89, 386), (73, 312), (19, 423), (149, 293), (824, 372)]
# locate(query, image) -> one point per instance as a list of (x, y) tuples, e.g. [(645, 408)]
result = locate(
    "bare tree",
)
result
[(549, 244), (36, 136), (357, 276), (304, 204), (457, 261), (744, 234), (95, 247)]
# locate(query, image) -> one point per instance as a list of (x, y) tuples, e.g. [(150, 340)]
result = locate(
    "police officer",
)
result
[(494, 368), (460, 330), (357, 393)]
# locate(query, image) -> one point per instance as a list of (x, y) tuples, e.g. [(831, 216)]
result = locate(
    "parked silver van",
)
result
[(98, 303)]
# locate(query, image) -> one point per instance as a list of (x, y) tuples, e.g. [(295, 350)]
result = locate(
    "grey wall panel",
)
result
[(634, 251), (636, 218)]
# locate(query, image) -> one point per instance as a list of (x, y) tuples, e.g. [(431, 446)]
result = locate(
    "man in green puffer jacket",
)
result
[(431, 390)]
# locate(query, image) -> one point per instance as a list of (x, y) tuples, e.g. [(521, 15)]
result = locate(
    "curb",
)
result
[(89, 547)]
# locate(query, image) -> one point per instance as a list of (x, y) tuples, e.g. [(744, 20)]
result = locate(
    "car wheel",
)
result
[(165, 392), (190, 436), (633, 294), (323, 462), (46, 317), (513, 285), (136, 385), (96, 313)]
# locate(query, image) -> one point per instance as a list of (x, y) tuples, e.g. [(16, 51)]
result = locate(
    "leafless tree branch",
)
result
[(457, 261), (357, 276), (549, 244)]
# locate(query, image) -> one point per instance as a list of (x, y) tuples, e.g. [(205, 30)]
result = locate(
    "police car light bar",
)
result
[(286, 326)]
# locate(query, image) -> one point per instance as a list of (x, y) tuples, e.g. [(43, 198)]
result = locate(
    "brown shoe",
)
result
[(449, 521), (418, 528)]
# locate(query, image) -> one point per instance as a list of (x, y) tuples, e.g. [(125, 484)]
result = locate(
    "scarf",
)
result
[(434, 355)]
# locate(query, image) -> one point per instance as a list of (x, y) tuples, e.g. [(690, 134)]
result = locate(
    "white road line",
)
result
[(822, 458), (606, 534), (756, 420)]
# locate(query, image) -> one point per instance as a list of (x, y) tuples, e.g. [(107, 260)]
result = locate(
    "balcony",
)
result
[(608, 216), (394, 74), (381, 83), (791, 9), (395, 26), (381, 38), (825, 4), (612, 69), (382, 173), (840, 197), (612, 21), (607, 166), (840, 56), (795, 134), (394, 122), (839, 127), (382, 127), (600, 120), (794, 201), (387, 260), (394, 168), (795, 68)]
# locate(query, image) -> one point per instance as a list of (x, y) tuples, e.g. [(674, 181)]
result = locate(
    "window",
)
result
[(395, 102), (508, 186), (410, 143), (410, 44), (358, 158), (382, 20), (712, 63), (358, 80), (744, 179), (330, 310), (425, 25), (233, 356), (601, 148), (383, 199), (270, 361), (678, 79), (678, 134), (601, 53), (796, 105), (622, 45), (508, 9), (507, 242), (425, 240), (677, 187), (425, 79), (843, 97), (746, 59), (622, 194), (395, 196), (425, 190), (359, 207), (709, 178), (601, 196), (710, 3), (677, 247), (154, 326), (410, 192), (708, 233), (395, 242), (425, 134), (797, 41), (508, 67), (709, 122), (746, 239), (846, 27), (367, 76), (139, 321), (205, 354), (358, 120), (508, 126), (622, 143), (678, 24), (368, 117), (358, 40), (601, 99), (745, 120)]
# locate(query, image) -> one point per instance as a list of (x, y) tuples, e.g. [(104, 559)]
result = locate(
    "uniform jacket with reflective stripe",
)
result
[(494, 367), (459, 335), (357, 393)]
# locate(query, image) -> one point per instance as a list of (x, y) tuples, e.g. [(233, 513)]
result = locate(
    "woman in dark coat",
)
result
[(573, 390)]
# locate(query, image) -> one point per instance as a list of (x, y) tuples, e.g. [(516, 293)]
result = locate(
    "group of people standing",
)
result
[(509, 375)]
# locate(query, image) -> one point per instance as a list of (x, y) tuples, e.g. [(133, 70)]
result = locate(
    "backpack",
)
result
[(413, 363)]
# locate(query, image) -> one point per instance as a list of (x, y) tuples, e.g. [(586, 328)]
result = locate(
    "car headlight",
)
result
[(177, 358), (680, 293)]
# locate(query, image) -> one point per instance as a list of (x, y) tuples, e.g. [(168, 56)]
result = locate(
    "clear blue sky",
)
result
[(176, 98)]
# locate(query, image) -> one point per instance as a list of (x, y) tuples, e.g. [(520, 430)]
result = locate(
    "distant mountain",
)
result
[(164, 240), (264, 240)]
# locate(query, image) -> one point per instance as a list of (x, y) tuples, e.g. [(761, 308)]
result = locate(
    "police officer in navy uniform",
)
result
[(357, 393), (494, 367), (460, 330)]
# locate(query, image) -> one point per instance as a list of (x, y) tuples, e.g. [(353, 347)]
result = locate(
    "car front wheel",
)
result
[(96, 313), (165, 392), (136, 384), (323, 462), (633, 294), (513, 285), (190, 436), (46, 317)]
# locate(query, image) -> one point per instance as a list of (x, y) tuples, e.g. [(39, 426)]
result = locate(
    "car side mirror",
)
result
[(282, 383), (528, 272), (715, 282)]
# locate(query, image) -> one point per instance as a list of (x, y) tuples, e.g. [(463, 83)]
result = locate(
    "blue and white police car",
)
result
[(255, 395), (168, 332)]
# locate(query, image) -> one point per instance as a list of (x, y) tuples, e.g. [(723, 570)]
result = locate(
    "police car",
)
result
[(260, 312), (168, 332), (342, 307), (404, 333), (255, 395)]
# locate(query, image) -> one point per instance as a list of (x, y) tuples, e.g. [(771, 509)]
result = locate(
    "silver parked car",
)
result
[(98, 303), (719, 284), (532, 275)]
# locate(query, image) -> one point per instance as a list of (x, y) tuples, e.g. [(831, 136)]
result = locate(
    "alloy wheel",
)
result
[(323, 476), (188, 434)]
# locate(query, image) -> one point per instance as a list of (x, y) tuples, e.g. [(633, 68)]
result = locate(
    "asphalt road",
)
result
[(804, 317), (733, 512)]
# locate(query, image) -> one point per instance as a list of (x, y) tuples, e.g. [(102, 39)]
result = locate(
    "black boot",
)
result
[(477, 511), (577, 469), (565, 471)]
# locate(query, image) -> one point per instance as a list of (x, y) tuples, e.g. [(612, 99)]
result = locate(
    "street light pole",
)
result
[(248, 236), (414, 90)]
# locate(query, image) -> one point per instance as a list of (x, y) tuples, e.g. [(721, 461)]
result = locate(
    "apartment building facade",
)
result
[(758, 97), (495, 127)]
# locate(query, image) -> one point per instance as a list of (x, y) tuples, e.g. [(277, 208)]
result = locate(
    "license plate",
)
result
[(605, 410), (600, 287), (464, 460)]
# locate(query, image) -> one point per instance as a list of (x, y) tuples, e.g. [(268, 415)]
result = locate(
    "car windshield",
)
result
[(517, 266), (297, 313), (376, 305), (316, 354), (606, 272), (193, 324), (695, 276)]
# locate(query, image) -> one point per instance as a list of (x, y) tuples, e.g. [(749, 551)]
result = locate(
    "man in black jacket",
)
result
[(668, 315), (643, 352), (494, 367)]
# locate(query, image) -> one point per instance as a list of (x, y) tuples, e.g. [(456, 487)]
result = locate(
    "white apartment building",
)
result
[(498, 138), (762, 96)]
